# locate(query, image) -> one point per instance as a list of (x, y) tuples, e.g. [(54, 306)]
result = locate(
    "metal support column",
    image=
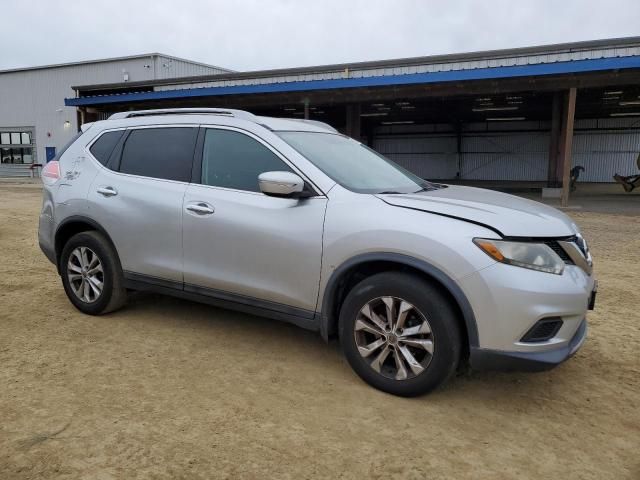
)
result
[(554, 177), (80, 117), (458, 150), (566, 142), (353, 121), (368, 129)]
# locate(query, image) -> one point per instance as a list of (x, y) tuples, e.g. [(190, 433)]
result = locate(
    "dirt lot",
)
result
[(170, 389)]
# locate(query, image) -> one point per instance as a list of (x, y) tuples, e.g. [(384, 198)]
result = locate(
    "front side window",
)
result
[(353, 165), (234, 160), (165, 153)]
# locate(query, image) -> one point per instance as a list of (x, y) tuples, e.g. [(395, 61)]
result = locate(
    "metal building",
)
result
[(500, 118), (34, 120), (492, 117)]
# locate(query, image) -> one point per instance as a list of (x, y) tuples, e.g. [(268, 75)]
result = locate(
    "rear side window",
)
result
[(234, 160), (66, 146), (165, 153), (102, 148)]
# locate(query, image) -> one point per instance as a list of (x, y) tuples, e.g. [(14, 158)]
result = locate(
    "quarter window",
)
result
[(103, 147), (165, 153), (234, 160)]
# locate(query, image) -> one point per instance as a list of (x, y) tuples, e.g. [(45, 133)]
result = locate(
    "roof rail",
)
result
[(317, 123), (185, 111)]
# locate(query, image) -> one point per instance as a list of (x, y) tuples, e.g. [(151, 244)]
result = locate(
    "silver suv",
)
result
[(291, 220)]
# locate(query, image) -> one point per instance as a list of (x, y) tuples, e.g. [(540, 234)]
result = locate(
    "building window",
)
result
[(14, 149), (16, 155)]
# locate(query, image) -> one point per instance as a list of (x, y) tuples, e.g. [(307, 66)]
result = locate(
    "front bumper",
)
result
[(508, 301), (486, 359)]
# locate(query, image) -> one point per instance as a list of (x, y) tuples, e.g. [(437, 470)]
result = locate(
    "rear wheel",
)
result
[(400, 333), (91, 274)]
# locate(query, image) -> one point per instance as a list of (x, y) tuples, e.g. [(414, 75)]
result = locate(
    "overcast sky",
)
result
[(254, 34)]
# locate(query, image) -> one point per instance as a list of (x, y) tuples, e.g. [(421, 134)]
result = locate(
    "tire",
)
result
[(364, 312), (79, 250)]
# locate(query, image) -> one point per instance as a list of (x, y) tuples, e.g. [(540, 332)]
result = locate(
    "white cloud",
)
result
[(254, 34)]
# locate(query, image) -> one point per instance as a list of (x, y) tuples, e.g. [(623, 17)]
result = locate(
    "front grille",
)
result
[(555, 246), (543, 330)]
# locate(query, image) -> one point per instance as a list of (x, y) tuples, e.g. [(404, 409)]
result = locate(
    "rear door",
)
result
[(138, 198), (242, 245)]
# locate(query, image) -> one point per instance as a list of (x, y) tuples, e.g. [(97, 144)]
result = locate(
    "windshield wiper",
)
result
[(389, 192)]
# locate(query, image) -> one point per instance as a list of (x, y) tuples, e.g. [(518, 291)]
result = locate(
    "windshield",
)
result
[(353, 165)]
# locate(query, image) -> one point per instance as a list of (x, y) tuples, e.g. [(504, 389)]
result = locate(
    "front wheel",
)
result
[(400, 333), (91, 274)]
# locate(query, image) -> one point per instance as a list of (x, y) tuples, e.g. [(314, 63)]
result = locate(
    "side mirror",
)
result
[(280, 184)]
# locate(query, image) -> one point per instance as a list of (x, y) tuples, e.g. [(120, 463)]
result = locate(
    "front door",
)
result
[(243, 245)]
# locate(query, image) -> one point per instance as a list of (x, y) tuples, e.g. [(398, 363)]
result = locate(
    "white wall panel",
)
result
[(603, 154), (427, 156), (502, 151), (505, 156)]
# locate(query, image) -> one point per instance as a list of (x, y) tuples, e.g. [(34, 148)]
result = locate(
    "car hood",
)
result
[(512, 216)]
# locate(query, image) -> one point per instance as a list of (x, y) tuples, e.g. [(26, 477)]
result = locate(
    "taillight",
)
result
[(51, 172)]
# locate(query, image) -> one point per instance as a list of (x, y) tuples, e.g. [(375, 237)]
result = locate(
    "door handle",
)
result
[(107, 191), (200, 208)]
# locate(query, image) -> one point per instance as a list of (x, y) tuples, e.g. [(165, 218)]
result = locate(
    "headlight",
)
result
[(535, 256)]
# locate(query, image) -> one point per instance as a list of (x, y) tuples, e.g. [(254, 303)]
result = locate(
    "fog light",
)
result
[(543, 330)]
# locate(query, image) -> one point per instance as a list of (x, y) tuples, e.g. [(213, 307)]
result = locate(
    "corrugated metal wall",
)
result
[(515, 151), (605, 147), (504, 155), (432, 156)]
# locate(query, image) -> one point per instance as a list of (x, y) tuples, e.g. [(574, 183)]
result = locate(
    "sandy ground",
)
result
[(171, 389)]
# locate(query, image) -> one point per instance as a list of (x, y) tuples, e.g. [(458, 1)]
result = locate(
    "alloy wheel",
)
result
[(394, 337), (85, 274)]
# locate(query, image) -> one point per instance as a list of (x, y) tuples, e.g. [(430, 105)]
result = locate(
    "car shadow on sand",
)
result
[(502, 391)]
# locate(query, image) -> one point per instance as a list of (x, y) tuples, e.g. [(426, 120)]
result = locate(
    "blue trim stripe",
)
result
[(575, 66)]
